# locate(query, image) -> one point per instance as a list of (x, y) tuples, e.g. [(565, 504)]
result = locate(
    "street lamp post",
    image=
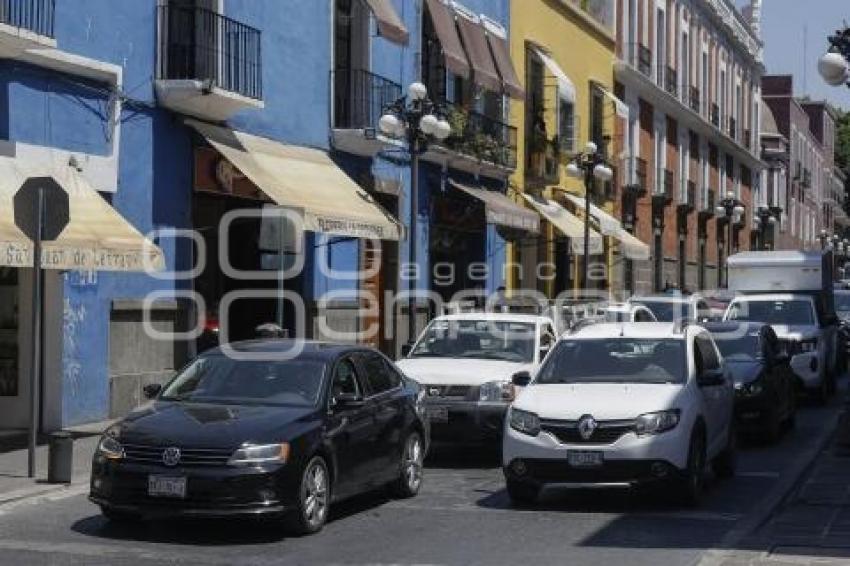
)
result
[(590, 165), (833, 65), (417, 120), (732, 209)]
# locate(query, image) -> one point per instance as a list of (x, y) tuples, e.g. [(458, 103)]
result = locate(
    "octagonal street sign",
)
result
[(55, 208)]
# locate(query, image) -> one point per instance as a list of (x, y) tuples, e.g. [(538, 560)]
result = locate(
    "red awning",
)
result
[(390, 25)]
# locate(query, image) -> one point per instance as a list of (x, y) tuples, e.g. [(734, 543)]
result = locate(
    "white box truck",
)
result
[(793, 292)]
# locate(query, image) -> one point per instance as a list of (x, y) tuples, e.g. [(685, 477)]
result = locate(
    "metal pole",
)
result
[(730, 211), (588, 180), (35, 382), (414, 202), (281, 283)]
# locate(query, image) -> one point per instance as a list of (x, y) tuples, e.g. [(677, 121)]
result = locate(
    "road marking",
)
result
[(757, 474)]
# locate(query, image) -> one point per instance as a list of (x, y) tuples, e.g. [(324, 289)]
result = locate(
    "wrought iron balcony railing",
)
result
[(691, 194), (36, 16), (360, 98), (715, 115), (694, 99), (708, 201), (733, 128), (640, 57), (748, 139), (543, 161), (671, 81), (203, 45), (481, 136), (664, 183)]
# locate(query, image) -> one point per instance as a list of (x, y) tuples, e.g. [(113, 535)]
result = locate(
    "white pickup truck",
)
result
[(465, 364), (792, 291)]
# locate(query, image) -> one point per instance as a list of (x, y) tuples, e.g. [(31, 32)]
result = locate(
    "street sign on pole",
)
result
[(41, 212)]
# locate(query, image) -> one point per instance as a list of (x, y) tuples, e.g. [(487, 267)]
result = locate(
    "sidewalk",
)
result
[(14, 483), (813, 525)]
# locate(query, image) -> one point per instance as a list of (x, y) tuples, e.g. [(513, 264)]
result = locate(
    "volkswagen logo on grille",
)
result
[(587, 425), (171, 456)]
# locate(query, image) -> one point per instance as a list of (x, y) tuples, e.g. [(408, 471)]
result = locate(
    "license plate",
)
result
[(584, 459), (438, 414), (167, 486)]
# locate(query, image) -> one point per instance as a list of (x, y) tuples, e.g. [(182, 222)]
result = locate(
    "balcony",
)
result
[(807, 179), (694, 99), (640, 57), (634, 175), (748, 139), (478, 144), (671, 81), (689, 201), (543, 163), (209, 65), (360, 98), (664, 183), (25, 24), (715, 115), (733, 128)]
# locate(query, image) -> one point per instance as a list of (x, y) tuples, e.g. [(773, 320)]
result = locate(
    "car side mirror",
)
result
[(521, 378), (711, 378), (151, 390), (348, 401), (406, 349)]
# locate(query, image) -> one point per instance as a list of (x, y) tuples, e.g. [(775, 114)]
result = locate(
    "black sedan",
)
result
[(765, 386), (247, 432)]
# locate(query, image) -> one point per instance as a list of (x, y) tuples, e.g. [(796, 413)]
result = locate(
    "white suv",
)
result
[(618, 405), (465, 363)]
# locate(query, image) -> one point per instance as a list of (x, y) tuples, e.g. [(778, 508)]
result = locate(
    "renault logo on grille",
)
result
[(171, 456), (434, 391), (587, 425)]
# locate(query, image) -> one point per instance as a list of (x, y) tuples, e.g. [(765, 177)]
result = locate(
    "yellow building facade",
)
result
[(563, 51)]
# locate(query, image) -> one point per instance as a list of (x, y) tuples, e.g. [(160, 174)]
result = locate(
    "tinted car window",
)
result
[(219, 379), (733, 346), (842, 302), (479, 339), (669, 311), (345, 380), (773, 312), (707, 352), (379, 376), (615, 360)]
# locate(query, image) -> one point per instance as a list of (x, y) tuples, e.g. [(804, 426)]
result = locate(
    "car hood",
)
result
[(202, 424), (796, 331), (604, 401), (459, 371), (744, 371)]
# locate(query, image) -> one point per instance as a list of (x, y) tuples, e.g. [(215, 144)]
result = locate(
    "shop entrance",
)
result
[(458, 239)]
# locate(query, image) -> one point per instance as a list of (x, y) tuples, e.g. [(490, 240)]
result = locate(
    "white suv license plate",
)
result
[(584, 459), (167, 486)]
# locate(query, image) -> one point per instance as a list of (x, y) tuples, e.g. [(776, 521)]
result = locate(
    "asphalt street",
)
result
[(462, 516)]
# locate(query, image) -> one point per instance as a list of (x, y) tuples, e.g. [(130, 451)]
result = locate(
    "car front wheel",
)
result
[(725, 462), (313, 499), (522, 494), (690, 489), (410, 468)]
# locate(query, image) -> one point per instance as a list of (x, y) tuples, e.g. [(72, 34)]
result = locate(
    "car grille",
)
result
[(607, 432), (448, 391), (147, 454)]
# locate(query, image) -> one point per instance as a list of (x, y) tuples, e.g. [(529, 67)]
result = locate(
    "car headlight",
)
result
[(525, 422), (496, 391), (260, 454), (751, 389), (808, 346), (110, 448), (656, 423)]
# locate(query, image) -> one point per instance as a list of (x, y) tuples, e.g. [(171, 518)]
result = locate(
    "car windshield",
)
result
[(616, 360), (735, 347), (480, 339), (669, 311), (842, 302), (773, 312), (219, 379)]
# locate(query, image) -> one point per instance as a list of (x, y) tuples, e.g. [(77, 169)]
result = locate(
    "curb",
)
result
[(38, 490), (778, 496)]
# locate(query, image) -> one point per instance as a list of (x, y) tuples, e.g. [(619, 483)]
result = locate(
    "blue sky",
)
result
[(785, 23)]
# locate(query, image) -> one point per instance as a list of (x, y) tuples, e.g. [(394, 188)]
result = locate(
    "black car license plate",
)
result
[(584, 459), (167, 486), (437, 413)]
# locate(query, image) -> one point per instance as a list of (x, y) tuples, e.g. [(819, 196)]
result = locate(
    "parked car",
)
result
[(795, 320), (765, 385), (842, 310), (625, 312), (674, 306), (255, 435), (465, 362), (621, 405)]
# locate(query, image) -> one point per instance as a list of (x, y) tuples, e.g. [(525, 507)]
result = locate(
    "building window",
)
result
[(661, 47)]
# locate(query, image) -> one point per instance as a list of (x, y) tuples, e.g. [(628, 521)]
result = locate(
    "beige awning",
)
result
[(566, 87), (97, 237), (389, 23), (502, 56), (567, 224), (443, 19), (501, 210), (620, 107), (633, 248), (474, 39), (305, 180)]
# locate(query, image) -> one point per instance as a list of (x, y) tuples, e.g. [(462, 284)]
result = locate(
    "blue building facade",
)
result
[(130, 140)]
